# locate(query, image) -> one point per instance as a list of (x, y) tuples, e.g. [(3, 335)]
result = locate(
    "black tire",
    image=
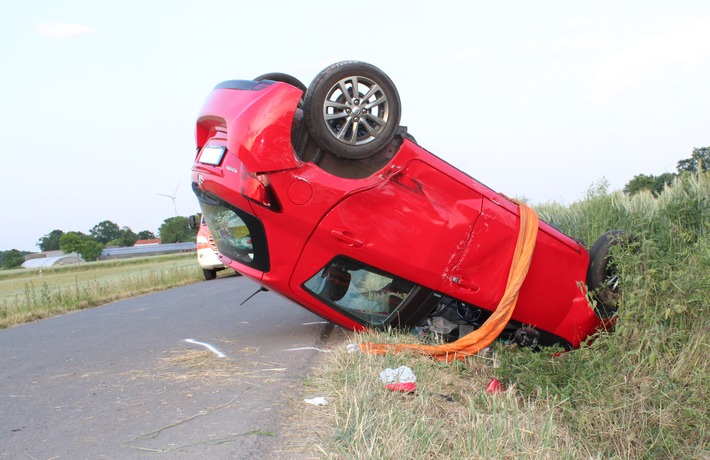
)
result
[(209, 274), (603, 274), (352, 110), (282, 77)]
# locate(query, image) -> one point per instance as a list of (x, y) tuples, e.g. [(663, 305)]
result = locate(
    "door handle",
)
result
[(346, 237), (464, 283)]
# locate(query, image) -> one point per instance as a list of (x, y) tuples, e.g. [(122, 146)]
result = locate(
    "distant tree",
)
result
[(91, 249), (71, 242), (82, 244), (176, 230), (640, 182), (12, 258), (127, 237), (105, 231), (699, 161), (50, 241), (146, 235), (654, 184)]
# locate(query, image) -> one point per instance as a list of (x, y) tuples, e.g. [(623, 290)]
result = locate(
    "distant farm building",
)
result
[(147, 242), (145, 250), (52, 259)]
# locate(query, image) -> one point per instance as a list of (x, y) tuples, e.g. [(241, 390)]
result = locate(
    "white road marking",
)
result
[(310, 348), (208, 346), (314, 322)]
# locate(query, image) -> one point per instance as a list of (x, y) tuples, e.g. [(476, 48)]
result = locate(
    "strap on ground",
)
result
[(480, 338)]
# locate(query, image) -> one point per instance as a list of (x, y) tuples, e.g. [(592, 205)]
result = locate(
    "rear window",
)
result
[(238, 235)]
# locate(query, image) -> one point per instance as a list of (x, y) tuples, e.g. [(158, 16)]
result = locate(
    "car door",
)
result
[(414, 226)]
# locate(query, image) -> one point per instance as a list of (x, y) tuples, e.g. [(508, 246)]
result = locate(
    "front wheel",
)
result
[(603, 272), (352, 109)]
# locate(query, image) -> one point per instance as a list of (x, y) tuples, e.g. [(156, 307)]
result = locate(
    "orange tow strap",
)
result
[(472, 343)]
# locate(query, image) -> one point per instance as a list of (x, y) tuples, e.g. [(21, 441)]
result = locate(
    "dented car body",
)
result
[(390, 238)]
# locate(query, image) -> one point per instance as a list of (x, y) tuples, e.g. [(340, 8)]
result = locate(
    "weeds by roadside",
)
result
[(449, 416)]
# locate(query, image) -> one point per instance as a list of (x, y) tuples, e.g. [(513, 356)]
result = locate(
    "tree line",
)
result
[(698, 162), (105, 233)]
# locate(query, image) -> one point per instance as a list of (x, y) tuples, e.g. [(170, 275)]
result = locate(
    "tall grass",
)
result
[(641, 391)]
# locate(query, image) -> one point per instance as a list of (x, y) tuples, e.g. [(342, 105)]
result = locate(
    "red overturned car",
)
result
[(317, 193)]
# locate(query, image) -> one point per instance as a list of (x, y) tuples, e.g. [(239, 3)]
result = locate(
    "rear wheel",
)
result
[(352, 109), (209, 274), (603, 273)]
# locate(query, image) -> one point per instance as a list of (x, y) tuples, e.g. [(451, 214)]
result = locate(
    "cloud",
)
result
[(624, 70), (63, 31)]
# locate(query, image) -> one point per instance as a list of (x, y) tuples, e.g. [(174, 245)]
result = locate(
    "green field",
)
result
[(27, 295)]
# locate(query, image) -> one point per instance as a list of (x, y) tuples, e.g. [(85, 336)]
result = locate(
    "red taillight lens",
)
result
[(257, 188)]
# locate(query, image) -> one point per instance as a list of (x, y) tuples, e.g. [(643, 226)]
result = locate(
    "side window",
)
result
[(359, 291)]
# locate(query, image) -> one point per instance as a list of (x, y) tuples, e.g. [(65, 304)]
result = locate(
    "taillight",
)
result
[(257, 188)]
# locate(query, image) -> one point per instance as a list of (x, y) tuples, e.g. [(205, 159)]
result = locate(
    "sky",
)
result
[(537, 100)]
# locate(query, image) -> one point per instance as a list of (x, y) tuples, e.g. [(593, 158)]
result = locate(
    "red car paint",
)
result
[(416, 218)]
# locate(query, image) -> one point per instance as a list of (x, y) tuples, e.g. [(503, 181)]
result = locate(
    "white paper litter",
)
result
[(318, 401), (402, 374)]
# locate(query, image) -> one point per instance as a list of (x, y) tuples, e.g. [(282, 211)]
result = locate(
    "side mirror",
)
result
[(193, 221)]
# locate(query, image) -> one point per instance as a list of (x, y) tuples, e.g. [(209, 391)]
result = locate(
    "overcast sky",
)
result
[(535, 99)]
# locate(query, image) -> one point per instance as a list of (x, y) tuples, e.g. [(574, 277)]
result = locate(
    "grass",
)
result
[(449, 416), (28, 295), (641, 391)]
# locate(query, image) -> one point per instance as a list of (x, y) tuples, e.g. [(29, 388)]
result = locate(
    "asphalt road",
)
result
[(120, 381)]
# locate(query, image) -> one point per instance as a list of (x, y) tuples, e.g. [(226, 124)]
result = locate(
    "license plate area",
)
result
[(212, 154)]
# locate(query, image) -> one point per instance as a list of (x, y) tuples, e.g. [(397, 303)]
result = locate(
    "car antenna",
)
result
[(261, 289)]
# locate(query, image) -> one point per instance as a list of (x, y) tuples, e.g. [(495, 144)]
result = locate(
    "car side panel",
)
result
[(411, 225)]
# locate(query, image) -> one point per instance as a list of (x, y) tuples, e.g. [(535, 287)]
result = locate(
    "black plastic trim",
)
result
[(244, 85)]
